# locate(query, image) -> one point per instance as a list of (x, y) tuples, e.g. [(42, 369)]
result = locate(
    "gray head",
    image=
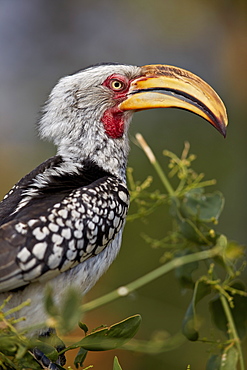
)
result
[(87, 114), (81, 115)]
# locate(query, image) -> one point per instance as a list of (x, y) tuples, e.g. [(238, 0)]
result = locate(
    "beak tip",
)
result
[(222, 128)]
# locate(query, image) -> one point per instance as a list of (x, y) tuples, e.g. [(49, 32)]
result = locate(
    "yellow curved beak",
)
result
[(163, 86)]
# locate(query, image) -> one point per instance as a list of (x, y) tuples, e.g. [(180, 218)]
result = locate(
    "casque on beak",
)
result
[(163, 86)]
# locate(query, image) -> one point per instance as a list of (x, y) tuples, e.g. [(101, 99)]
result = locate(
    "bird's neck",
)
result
[(85, 137), (110, 155)]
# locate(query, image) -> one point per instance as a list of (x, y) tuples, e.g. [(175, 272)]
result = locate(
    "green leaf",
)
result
[(226, 360), (8, 344), (68, 313), (190, 325), (190, 231), (187, 227), (239, 312), (214, 362), (49, 304), (21, 351), (218, 314), (6, 363), (116, 364), (112, 337), (80, 357), (125, 329), (203, 207), (71, 311), (184, 273), (229, 359), (28, 362)]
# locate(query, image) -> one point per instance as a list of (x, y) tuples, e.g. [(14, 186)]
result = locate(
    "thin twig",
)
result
[(151, 276), (149, 153)]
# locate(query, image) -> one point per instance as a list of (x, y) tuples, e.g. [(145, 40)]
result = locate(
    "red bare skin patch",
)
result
[(113, 118)]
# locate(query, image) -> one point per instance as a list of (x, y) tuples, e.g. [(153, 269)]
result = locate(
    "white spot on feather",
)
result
[(32, 222), (55, 258), (71, 254), (24, 254), (66, 233), (21, 228), (53, 227), (39, 250), (123, 196), (28, 265), (78, 234), (63, 213), (57, 239), (39, 235)]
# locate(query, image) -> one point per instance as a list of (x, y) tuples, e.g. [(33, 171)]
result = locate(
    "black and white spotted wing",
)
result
[(56, 231)]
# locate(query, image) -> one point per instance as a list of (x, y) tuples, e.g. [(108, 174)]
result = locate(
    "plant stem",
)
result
[(232, 329), (149, 153), (149, 277), (18, 308)]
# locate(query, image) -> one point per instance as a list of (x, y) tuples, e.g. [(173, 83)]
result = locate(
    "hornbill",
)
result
[(62, 223)]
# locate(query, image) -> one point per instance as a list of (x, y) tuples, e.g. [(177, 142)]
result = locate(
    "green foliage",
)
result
[(112, 337), (238, 301), (15, 348), (228, 360), (190, 325), (80, 357), (68, 314), (195, 213), (143, 202), (194, 241), (116, 365)]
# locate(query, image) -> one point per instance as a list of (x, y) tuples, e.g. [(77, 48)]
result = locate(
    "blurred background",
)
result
[(43, 40)]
